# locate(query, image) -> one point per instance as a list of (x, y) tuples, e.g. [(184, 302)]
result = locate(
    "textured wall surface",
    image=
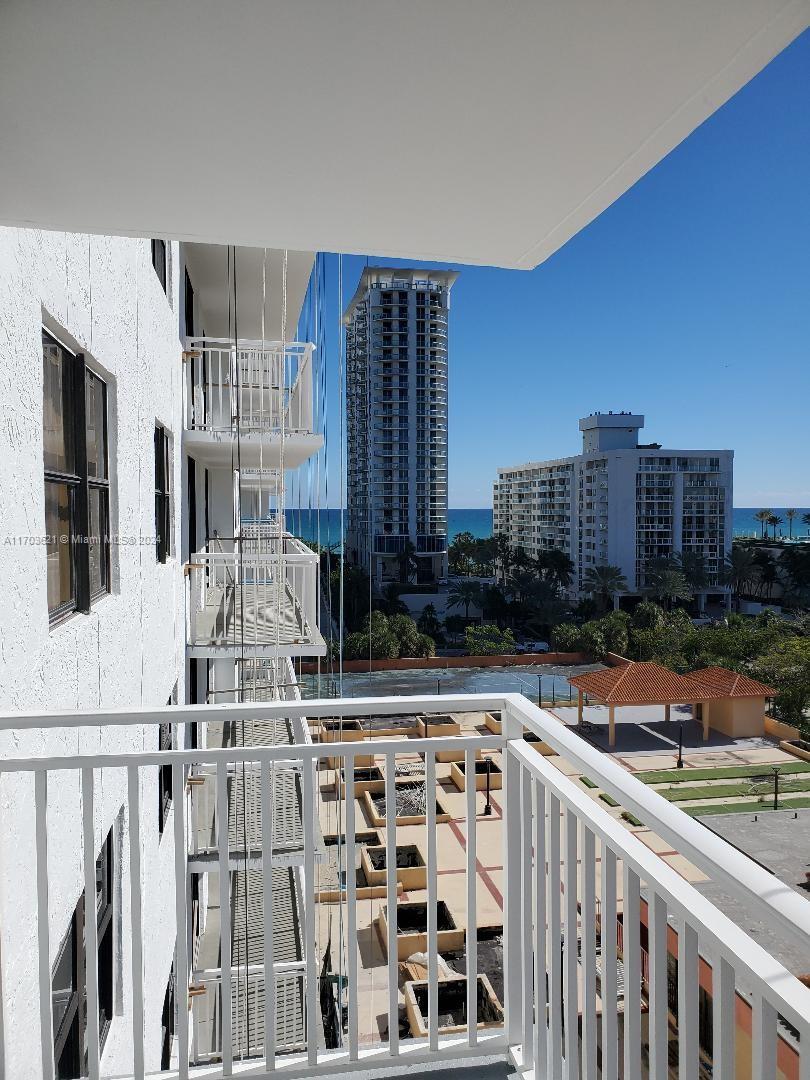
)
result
[(101, 295)]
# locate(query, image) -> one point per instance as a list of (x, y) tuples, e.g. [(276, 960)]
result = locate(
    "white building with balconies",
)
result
[(621, 503)]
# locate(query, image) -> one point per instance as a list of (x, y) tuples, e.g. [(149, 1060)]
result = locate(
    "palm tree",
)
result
[(604, 581), (805, 519), (408, 562), (464, 593), (763, 516), (665, 581), (774, 520), (555, 566), (504, 554), (692, 565), (739, 569), (390, 602), (767, 572), (790, 514)]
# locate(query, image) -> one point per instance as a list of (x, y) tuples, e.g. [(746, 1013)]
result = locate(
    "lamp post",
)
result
[(679, 763), (488, 804), (776, 788), (539, 689)]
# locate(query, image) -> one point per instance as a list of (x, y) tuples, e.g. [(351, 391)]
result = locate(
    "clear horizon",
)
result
[(685, 301)]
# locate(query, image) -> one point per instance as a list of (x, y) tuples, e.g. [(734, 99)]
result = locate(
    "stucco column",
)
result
[(611, 725), (579, 706), (705, 721), (615, 601)]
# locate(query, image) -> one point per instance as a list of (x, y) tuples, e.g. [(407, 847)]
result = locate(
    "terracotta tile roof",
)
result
[(637, 683), (719, 682), (641, 683)]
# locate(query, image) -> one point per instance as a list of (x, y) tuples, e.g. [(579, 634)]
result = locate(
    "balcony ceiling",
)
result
[(259, 288), (468, 130)]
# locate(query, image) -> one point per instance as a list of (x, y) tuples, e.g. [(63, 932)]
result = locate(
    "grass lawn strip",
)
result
[(688, 776), (745, 808), (682, 793)]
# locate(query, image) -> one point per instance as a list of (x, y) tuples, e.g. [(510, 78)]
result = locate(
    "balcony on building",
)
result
[(254, 595), (248, 404)]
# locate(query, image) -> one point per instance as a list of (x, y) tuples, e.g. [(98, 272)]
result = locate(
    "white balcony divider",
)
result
[(251, 385), (248, 594), (566, 957)]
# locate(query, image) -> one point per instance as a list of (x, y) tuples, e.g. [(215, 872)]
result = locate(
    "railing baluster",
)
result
[(472, 901), (723, 1021), (90, 923), (607, 939), (658, 1005), (588, 904), (688, 1045), (181, 897), (391, 899), (43, 926), (267, 905), (308, 817), (432, 903), (631, 958), (351, 905), (763, 1039), (540, 953), (136, 916), (223, 843), (555, 936), (527, 1042), (570, 950), (512, 944)]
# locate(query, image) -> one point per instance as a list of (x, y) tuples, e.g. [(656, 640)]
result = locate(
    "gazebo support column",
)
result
[(667, 712), (579, 706), (611, 725), (705, 710)]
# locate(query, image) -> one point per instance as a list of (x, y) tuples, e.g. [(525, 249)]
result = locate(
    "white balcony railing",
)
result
[(257, 595), (253, 386), (579, 992)]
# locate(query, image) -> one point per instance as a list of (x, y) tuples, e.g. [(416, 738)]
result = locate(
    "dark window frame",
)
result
[(165, 792), (77, 377), (163, 494), (160, 262)]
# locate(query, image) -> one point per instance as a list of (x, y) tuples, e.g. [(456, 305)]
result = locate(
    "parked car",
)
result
[(532, 647)]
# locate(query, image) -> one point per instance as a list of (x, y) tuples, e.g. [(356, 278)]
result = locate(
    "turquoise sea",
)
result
[(307, 523)]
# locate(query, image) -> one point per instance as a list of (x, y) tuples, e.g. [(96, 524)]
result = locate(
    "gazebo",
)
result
[(734, 703)]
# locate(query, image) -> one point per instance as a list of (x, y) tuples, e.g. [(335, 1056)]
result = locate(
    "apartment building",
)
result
[(621, 503), (396, 423), (148, 565)]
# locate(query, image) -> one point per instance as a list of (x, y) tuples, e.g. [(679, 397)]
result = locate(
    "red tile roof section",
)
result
[(642, 683), (722, 683)]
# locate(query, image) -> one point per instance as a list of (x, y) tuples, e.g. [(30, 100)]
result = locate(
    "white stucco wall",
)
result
[(101, 295)]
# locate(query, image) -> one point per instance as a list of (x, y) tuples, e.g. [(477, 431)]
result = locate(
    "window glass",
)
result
[(63, 984), (61, 590), (95, 411), (56, 410), (98, 539)]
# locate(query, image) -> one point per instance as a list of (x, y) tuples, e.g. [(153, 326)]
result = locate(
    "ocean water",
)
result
[(307, 523)]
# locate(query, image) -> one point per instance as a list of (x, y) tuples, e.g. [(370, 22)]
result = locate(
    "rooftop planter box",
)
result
[(410, 808), (431, 727), (458, 774), (452, 1006), (366, 778), (442, 724), (800, 748), (412, 929), (538, 744), (492, 720), (411, 868), (346, 731), (387, 727)]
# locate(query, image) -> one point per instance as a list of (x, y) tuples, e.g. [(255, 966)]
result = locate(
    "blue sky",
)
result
[(688, 300)]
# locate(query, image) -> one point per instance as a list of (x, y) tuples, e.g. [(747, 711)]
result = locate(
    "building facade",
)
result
[(396, 419), (621, 503), (147, 565)]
